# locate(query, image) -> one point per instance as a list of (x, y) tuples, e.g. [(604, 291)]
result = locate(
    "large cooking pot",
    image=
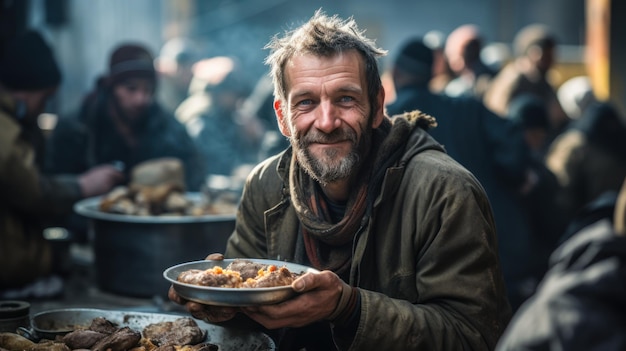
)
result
[(131, 252)]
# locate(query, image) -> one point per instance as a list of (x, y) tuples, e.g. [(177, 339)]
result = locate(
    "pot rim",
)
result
[(89, 208)]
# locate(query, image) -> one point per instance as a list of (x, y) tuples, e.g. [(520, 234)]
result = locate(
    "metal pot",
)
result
[(131, 252)]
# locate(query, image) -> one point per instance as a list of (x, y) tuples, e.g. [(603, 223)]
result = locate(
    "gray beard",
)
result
[(328, 169)]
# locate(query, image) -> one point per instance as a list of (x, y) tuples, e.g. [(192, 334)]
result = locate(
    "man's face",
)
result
[(328, 116), (133, 96)]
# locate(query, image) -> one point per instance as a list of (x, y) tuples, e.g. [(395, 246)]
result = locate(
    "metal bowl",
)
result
[(232, 296), (131, 252)]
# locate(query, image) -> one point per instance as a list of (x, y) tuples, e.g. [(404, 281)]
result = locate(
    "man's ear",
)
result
[(379, 114), (280, 116)]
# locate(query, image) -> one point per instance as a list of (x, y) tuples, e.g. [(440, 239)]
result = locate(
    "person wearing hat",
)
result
[(121, 122), (535, 52), (29, 76), (492, 148)]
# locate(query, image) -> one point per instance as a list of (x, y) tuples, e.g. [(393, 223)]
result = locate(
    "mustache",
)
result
[(337, 135)]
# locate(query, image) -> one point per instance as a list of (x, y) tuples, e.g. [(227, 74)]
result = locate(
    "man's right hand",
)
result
[(99, 180), (207, 313)]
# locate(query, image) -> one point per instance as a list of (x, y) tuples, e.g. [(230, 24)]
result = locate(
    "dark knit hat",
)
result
[(131, 61), (415, 57), (29, 64)]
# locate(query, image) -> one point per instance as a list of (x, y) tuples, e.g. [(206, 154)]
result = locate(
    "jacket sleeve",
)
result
[(451, 295), (248, 239), (24, 187)]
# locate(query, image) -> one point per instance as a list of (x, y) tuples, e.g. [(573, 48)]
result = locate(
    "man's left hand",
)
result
[(319, 295)]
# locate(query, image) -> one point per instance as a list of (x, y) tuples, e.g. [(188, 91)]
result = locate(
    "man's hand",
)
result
[(212, 314), (322, 297), (99, 180)]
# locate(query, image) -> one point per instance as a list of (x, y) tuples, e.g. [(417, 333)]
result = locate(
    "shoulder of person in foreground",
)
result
[(577, 304)]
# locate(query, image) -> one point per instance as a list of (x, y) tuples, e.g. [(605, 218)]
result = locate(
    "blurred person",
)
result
[(442, 73), (462, 50), (535, 55), (259, 105), (580, 303), (590, 157), (492, 148), (174, 67), (575, 95), (120, 121), (403, 234), (29, 76), (546, 217), (225, 138)]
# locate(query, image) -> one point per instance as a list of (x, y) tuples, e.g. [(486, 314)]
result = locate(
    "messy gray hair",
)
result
[(324, 36)]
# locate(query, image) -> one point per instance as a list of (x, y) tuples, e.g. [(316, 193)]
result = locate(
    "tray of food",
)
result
[(235, 282), (100, 330)]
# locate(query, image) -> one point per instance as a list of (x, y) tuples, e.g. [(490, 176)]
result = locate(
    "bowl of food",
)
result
[(235, 282), (131, 250)]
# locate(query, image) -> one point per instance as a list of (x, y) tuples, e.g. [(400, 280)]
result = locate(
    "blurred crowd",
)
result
[(542, 152)]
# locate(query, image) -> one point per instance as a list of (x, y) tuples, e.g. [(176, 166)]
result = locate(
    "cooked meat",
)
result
[(12, 341), (270, 278), (247, 269), (122, 340), (216, 277), (102, 325), (82, 339), (182, 331), (239, 274)]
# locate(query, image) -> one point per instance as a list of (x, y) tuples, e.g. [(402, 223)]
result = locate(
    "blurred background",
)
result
[(84, 32)]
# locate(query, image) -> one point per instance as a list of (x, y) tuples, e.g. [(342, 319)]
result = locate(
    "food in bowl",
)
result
[(160, 200), (240, 274)]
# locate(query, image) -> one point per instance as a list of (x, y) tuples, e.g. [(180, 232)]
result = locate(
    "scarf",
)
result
[(327, 244)]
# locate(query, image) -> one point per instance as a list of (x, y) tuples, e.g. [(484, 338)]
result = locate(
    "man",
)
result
[(121, 121), (589, 158), (404, 235), (29, 76), (535, 51)]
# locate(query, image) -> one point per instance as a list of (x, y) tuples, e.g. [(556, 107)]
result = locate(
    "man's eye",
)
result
[(305, 102), (346, 99)]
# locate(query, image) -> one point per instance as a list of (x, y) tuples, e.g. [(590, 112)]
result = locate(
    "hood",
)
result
[(419, 140)]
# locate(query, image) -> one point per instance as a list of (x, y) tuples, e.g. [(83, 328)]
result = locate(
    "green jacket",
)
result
[(426, 261), (26, 198)]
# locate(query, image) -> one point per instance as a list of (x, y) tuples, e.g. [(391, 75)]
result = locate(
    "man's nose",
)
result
[(328, 119)]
